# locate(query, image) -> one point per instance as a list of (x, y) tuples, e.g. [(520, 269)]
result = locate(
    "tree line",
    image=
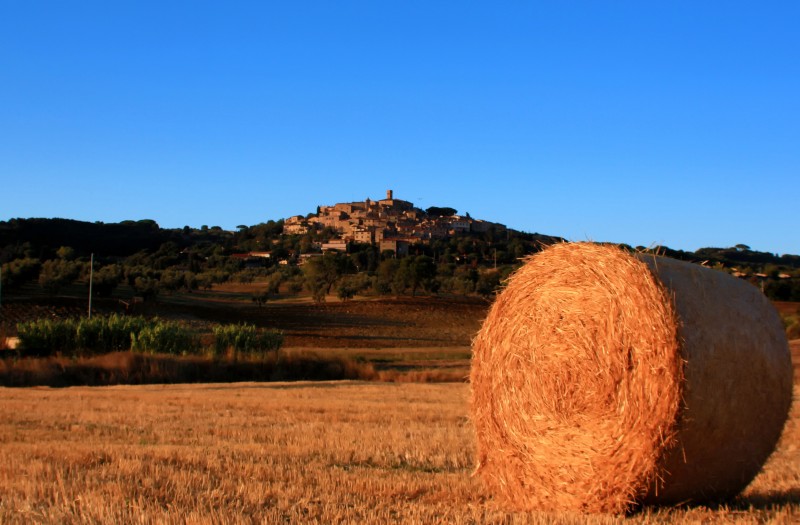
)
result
[(149, 260)]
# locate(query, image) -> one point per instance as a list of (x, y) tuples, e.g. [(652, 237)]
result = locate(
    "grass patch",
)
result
[(82, 337), (237, 340)]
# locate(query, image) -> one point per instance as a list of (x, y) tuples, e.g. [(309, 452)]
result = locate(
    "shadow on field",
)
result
[(760, 501), (128, 368), (768, 500)]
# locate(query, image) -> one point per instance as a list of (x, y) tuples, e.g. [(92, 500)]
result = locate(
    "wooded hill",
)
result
[(151, 258)]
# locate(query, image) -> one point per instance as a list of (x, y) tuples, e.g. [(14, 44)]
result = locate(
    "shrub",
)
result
[(245, 340), (58, 273), (118, 330), (46, 337), (99, 335), (107, 334), (351, 285), (163, 337), (19, 271)]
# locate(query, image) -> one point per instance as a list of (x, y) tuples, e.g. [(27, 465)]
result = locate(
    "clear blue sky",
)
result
[(673, 123)]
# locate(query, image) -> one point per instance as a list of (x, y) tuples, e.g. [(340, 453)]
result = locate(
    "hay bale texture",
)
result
[(602, 380)]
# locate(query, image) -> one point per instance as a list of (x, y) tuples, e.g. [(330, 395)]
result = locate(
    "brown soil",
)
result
[(385, 322), (786, 307), (363, 323)]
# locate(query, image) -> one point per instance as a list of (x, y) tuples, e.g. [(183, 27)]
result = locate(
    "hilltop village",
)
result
[(391, 223)]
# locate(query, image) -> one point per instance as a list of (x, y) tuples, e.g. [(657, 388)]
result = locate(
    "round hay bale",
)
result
[(603, 379)]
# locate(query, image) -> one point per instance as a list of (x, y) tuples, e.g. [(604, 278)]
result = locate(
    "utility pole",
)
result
[(91, 278)]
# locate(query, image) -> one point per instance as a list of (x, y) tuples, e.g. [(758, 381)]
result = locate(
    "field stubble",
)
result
[(284, 453)]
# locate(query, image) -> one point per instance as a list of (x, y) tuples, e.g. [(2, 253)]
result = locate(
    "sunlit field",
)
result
[(284, 453)]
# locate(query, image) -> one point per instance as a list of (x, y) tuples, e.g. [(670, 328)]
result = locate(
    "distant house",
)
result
[(374, 222), (294, 229), (336, 245), (305, 257), (398, 246), (252, 259), (345, 207), (459, 224), (295, 225), (363, 235), (484, 226), (334, 220)]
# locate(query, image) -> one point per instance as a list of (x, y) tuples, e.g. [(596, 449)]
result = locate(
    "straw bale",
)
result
[(602, 380)]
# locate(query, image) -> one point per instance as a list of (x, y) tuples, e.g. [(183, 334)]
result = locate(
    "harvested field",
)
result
[(285, 453), (295, 452)]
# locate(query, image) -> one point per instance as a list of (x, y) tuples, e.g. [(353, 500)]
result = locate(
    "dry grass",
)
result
[(283, 453), (128, 368), (131, 368)]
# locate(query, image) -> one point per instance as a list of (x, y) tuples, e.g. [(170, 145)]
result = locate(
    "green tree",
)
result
[(384, 277), (147, 287), (19, 271), (487, 283), (57, 273), (260, 298), (345, 290), (315, 279), (66, 253), (106, 279), (436, 211), (402, 276), (321, 273), (350, 285), (422, 273), (274, 282)]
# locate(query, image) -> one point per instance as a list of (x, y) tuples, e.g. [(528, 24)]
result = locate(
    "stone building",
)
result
[(392, 223)]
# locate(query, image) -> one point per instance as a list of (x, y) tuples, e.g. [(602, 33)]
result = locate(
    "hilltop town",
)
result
[(392, 224)]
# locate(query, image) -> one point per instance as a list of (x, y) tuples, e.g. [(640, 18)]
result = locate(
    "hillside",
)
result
[(382, 247)]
